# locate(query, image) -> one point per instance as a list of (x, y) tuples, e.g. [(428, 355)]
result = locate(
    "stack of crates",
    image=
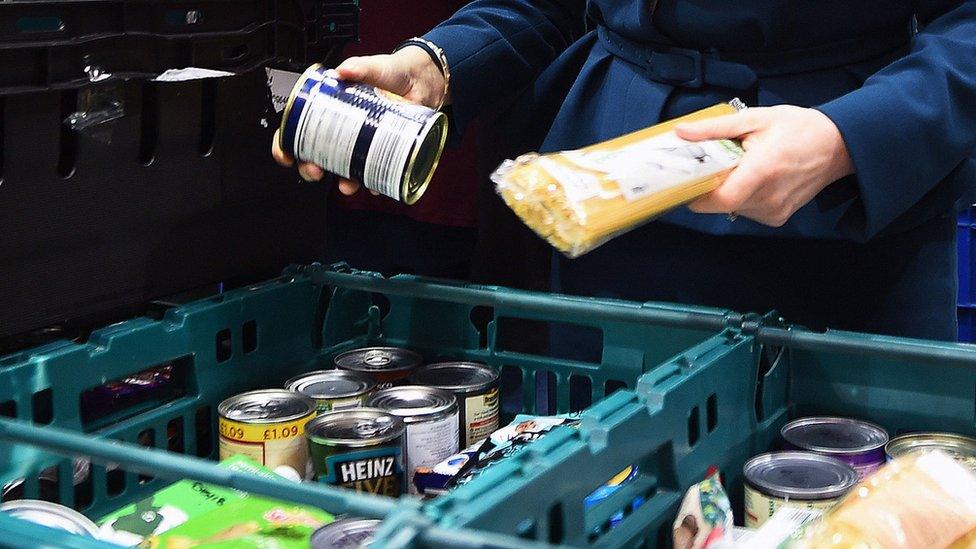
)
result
[(675, 390)]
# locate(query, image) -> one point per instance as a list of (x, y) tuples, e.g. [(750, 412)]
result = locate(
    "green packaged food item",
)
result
[(252, 523), (174, 505)]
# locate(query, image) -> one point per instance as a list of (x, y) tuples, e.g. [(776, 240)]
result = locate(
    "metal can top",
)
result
[(378, 359), (834, 435), (800, 475), (414, 403), (459, 377), (345, 533), (51, 515), (958, 447), (329, 384), (355, 427), (267, 405)]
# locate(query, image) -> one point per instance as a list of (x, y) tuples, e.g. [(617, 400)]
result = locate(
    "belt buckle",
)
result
[(697, 78)]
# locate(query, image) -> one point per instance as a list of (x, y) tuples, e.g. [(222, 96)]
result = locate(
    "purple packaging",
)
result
[(859, 443)]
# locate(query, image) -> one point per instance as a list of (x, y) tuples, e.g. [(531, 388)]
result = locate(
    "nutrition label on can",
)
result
[(760, 507), (429, 443), (481, 416), (271, 445)]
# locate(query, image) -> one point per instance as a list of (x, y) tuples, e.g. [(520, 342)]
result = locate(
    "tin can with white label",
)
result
[(387, 366), (476, 388), (51, 515), (802, 480), (267, 426), (360, 449), (859, 443), (431, 416), (361, 133), (333, 389)]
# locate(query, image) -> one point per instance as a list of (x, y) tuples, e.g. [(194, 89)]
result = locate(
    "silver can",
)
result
[(51, 515), (387, 366), (793, 479), (333, 389), (476, 387), (431, 416), (960, 448), (348, 533), (267, 426), (859, 443)]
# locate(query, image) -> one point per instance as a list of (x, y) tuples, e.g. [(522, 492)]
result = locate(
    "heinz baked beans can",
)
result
[(267, 426), (364, 134)]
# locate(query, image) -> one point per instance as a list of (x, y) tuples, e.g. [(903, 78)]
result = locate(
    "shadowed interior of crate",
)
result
[(257, 337)]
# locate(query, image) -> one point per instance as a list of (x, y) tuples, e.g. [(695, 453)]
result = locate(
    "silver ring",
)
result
[(732, 216)]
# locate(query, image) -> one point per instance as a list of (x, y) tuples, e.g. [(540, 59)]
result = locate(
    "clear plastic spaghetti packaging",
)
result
[(577, 200), (916, 501)]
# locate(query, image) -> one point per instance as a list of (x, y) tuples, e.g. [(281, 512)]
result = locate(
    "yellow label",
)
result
[(270, 444)]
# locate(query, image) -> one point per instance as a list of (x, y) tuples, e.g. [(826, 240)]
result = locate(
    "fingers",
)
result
[(375, 70), (722, 127), (278, 154), (347, 187), (734, 194), (310, 172)]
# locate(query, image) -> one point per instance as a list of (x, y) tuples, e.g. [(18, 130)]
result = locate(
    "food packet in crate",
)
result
[(580, 199), (916, 501), (705, 518)]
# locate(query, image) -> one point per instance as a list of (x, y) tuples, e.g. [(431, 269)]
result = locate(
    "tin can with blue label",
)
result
[(363, 134)]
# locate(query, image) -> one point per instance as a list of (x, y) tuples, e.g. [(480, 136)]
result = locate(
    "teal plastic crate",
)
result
[(259, 336)]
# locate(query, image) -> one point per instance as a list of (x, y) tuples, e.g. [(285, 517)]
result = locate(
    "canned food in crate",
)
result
[(47, 481), (387, 366), (362, 133), (793, 479), (360, 449), (349, 533), (476, 388), (333, 389), (859, 443), (431, 416), (267, 426), (51, 515), (958, 447)]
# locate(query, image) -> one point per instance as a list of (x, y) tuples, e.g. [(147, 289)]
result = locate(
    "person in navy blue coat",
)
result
[(860, 141)]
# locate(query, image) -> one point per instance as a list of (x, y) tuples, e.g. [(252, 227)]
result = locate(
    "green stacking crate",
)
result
[(259, 336)]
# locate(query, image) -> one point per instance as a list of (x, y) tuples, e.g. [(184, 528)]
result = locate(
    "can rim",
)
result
[(897, 443), (848, 481), (419, 414), (291, 101), (396, 432), (295, 383), (416, 359), (786, 431), (310, 406), (456, 387), (344, 523), (438, 119), (40, 506)]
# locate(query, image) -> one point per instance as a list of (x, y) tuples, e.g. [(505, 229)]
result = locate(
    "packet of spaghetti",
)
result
[(577, 200)]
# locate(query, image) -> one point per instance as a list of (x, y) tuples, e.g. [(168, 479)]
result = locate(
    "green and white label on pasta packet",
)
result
[(174, 505)]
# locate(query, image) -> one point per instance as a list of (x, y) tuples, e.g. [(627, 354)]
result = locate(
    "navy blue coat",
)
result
[(874, 251)]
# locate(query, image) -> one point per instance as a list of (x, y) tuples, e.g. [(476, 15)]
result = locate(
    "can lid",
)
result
[(413, 402), (345, 533), (455, 376), (959, 447), (355, 427), (834, 435), (267, 405), (378, 359), (328, 384), (800, 475), (51, 515)]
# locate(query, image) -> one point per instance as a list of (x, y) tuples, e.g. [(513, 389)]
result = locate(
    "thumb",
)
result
[(722, 127)]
